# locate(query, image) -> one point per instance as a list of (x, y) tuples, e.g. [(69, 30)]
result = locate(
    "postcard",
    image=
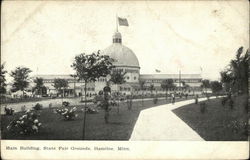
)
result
[(125, 79)]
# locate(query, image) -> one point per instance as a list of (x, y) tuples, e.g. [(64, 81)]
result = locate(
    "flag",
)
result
[(201, 69), (122, 21), (157, 70)]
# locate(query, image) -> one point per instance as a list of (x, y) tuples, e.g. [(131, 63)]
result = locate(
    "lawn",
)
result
[(217, 123), (55, 128)]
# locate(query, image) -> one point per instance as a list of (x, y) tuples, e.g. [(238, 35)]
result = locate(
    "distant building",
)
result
[(125, 61)]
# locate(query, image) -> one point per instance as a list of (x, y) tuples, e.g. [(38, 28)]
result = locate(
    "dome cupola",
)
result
[(117, 37)]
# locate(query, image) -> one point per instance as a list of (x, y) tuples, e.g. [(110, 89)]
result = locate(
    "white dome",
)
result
[(122, 55)]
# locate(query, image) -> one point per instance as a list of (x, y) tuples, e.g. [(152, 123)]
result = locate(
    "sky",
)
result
[(191, 36)]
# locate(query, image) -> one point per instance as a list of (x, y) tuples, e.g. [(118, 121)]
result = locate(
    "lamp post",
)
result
[(106, 91)]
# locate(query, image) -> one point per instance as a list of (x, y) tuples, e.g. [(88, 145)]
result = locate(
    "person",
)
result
[(173, 98), (196, 99)]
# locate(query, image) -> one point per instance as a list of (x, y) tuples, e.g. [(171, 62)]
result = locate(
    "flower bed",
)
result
[(26, 124), (68, 114), (38, 106)]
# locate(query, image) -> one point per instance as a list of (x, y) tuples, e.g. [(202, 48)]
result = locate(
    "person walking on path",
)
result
[(196, 99), (173, 98)]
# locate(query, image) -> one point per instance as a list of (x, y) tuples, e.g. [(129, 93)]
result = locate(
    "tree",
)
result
[(185, 86), (39, 85), (89, 68), (151, 88), (235, 76), (142, 88), (216, 86), (60, 85), (21, 78), (167, 84), (117, 77), (227, 80), (74, 76), (2, 79), (205, 84), (239, 70)]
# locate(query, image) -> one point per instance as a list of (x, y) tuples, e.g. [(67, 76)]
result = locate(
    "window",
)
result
[(134, 78), (127, 77)]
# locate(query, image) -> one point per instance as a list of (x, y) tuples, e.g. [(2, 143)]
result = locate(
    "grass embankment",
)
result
[(218, 123), (55, 128)]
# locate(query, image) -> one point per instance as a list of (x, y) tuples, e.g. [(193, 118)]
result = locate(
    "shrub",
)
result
[(65, 103), (38, 106), (155, 100), (223, 101), (203, 107), (129, 102), (23, 108), (237, 125), (26, 124), (68, 114), (91, 110), (208, 97), (231, 103), (9, 111), (113, 102), (196, 100), (50, 105)]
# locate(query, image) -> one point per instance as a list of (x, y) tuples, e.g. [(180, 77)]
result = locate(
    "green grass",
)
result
[(55, 128), (218, 123)]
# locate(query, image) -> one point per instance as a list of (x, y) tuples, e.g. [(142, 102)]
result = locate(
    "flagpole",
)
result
[(180, 79), (116, 23)]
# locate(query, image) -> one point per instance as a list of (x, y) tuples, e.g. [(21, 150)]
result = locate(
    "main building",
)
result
[(125, 61)]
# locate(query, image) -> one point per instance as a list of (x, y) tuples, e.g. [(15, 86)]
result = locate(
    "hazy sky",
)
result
[(171, 35)]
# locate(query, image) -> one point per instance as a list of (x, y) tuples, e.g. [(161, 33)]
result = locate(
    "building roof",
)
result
[(170, 76), (53, 76), (142, 76), (122, 55)]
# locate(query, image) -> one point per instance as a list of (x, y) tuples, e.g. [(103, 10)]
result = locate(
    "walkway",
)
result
[(160, 123)]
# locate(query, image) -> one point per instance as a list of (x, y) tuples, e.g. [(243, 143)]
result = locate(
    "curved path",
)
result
[(160, 123)]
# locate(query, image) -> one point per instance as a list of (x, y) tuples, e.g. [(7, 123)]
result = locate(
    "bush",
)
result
[(26, 124), (91, 110), (237, 125), (68, 114), (196, 100), (113, 102), (208, 97), (9, 111), (203, 107), (50, 105), (23, 108), (231, 103), (38, 106), (65, 103), (129, 102), (223, 101), (155, 100)]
